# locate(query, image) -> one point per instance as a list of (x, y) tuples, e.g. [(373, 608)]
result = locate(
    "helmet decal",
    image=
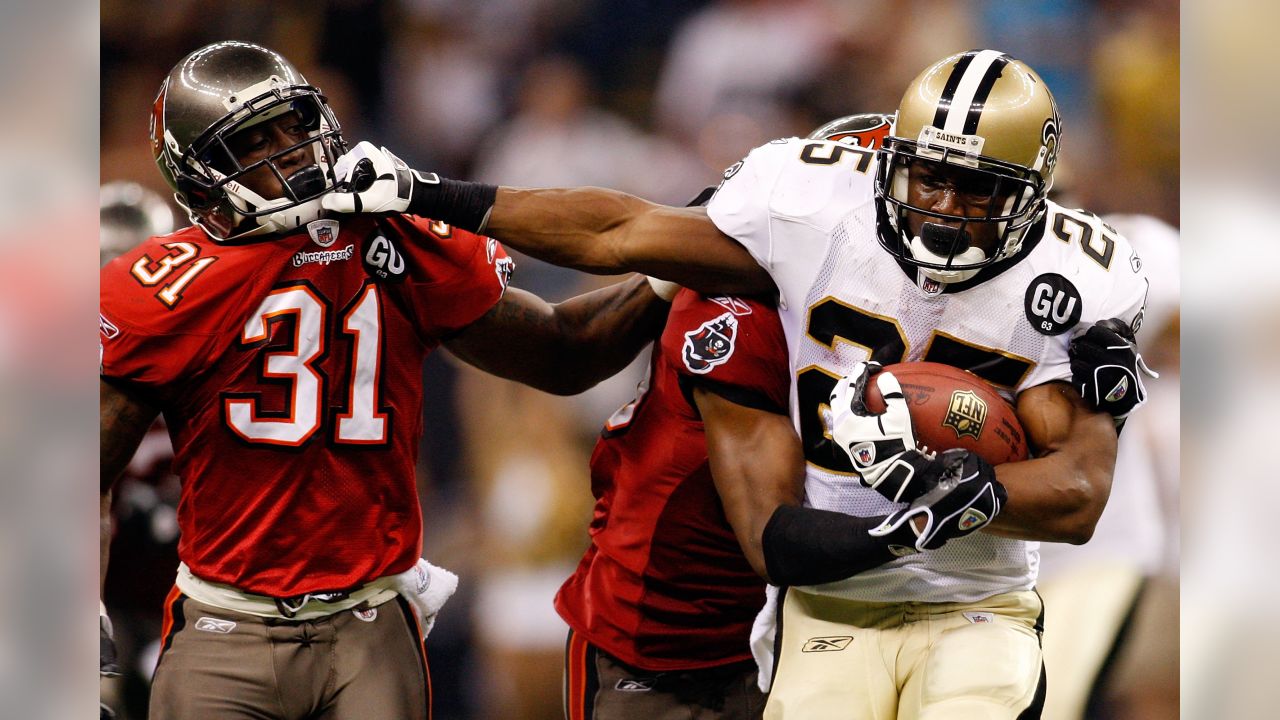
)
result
[(967, 90)]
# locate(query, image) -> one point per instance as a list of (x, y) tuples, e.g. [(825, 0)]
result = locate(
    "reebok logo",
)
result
[(827, 644), (635, 684), (214, 625)]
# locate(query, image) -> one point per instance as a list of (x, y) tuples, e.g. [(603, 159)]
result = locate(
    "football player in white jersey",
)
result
[(940, 246)]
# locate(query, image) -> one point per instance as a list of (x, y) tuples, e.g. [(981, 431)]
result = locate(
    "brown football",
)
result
[(953, 408)]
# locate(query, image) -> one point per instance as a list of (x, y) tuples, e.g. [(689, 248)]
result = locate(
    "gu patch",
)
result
[(383, 261), (1053, 304), (711, 344)]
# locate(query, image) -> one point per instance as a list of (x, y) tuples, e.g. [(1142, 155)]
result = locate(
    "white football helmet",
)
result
[(991, 115), (210, 95)]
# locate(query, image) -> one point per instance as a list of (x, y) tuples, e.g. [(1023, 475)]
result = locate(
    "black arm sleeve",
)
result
[(807, 546)]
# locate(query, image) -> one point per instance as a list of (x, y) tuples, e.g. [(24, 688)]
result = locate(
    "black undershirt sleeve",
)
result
[(807, 546)]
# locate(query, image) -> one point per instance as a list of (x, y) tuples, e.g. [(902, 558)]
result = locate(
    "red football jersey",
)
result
[(664, 584), (289, 371)]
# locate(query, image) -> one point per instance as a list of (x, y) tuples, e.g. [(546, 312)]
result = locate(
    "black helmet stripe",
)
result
[(967, 89), (949, 90)]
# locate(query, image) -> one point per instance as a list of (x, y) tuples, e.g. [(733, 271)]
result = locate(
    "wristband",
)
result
[(462, 204)]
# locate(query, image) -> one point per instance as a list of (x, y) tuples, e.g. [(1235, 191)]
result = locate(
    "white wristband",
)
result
[(664, 289)]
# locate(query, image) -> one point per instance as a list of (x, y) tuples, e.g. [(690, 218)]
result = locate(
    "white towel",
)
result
[(427, 588), (762, 635)]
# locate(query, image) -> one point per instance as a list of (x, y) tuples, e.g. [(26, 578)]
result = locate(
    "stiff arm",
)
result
[(605, 232)]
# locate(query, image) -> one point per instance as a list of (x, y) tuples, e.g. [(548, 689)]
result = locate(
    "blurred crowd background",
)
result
[(654, 97)]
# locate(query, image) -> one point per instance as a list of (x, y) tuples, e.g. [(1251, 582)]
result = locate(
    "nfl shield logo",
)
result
[(966, 414), (865, 454), (971, 518), (323, 232)]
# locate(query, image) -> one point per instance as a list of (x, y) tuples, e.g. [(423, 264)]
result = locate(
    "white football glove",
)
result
[(882, 447), (427, 588), (373, 180)]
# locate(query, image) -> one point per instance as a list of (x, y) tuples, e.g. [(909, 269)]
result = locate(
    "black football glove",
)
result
[(1107, 368), (966, 497)]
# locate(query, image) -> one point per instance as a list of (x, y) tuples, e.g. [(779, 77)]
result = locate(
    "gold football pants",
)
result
[(847, 660)]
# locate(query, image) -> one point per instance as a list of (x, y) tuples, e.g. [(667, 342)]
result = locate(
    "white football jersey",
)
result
[(805, 210)]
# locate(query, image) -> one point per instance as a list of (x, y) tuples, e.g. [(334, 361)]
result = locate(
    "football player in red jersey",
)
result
[(285, 352)]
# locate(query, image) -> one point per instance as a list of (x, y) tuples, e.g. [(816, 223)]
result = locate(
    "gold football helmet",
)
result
[(994, 121)]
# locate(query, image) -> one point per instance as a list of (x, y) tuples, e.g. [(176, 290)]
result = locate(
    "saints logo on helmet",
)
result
[(216, 92), (987, 124)]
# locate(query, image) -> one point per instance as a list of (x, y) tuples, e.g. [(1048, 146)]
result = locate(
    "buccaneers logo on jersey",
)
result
[(711, 344)]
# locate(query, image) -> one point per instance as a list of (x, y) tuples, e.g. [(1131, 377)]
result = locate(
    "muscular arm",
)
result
[(605, 232), (756, 463), (567, 347), (123, 420), (1060, 495)]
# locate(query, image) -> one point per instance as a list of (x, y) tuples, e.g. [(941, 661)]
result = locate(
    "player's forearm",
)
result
[(601, 332), (605, 231), (581, 228), (807, 546), (1056, 498)]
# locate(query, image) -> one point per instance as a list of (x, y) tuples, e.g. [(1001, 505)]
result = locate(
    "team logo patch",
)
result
[(1135, 262), (732, 170), (733, 305), (504, 268), (1053, 304), (367, 615), (966, 414), (711, 344), (383, 261), (490, 250), (323, 232), (977, 618), (1119, 391), (635, 684), (827, 644), (107, 328), (214, 625), (972, 518)]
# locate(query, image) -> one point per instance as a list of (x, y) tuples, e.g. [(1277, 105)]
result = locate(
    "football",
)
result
[(953, 408)]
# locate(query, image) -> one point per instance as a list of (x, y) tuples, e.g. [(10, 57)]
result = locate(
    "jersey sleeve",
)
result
[(1119, 290), (732, 346), (142, 343), (782, 208), (454, 276)]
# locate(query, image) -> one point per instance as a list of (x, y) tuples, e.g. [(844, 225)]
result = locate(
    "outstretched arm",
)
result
[(1060, 495), (567, 347), (592, 229), (605, 231)]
